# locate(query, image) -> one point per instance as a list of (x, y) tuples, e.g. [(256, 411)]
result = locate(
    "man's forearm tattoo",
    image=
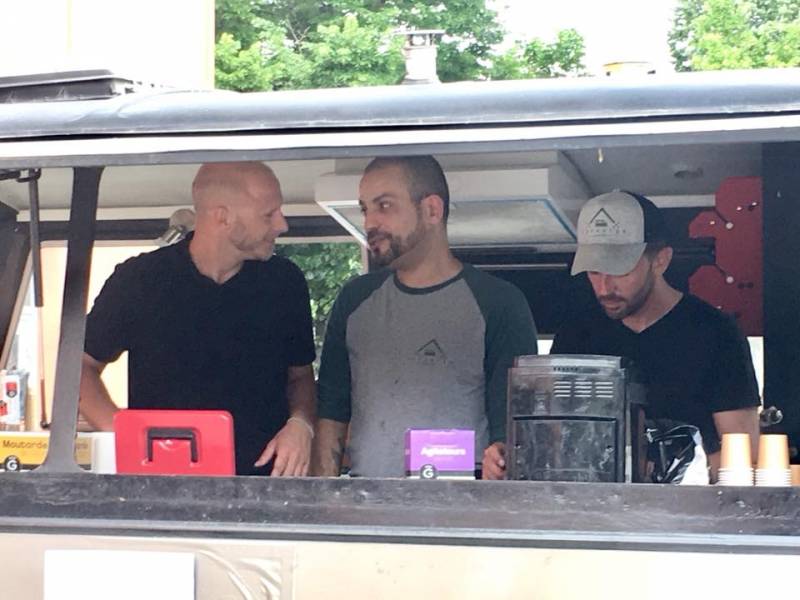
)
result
[(337, 450)]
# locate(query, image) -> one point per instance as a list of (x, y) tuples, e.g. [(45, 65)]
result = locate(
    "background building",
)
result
[(161, 42)]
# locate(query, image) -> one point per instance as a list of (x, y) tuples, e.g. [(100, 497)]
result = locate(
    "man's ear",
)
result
[(662, 260), (222, 216), (433, 209)]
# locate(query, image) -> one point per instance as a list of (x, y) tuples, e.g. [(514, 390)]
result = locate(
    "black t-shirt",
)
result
[(195, 344), (694, 361)]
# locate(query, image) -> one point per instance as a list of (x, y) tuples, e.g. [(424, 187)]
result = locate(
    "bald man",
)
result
[(215, 322)]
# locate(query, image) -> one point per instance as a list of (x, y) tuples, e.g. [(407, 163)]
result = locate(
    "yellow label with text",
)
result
[(25, 451)]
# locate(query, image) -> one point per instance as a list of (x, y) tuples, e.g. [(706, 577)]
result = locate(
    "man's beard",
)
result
[(250, 248), (398, 246), (630, 306), (254, 249)]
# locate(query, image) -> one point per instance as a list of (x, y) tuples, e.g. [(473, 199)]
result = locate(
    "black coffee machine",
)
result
[(575, 418)]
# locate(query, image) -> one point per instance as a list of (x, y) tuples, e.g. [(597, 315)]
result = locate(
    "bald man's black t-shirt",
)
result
[(196, 344), (694, 361)]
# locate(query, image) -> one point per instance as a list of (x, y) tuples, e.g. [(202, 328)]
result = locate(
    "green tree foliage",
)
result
[(735, 34), (239, 19), (296, 44), (540, 59), (327, 266), (346, 52), (280, 44), (240, 69)]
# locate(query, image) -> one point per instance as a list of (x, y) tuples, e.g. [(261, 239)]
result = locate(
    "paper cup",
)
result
[(735, 451), (104, 457), (773, 452), (795, 474), (735, 477), (773, 477)]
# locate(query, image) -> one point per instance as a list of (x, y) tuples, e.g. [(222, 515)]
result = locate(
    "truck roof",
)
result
[(701, 95)]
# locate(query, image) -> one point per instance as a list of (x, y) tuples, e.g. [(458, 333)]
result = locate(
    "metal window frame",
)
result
[(502, 514)]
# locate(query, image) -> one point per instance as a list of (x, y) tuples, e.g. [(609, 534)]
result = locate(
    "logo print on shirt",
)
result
[(431, 353)]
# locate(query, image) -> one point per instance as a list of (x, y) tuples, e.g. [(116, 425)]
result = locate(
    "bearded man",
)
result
[(424, 343), (215, 322), (696, 364)]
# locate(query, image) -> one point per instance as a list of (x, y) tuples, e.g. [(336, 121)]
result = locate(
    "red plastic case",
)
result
[(174, 442)]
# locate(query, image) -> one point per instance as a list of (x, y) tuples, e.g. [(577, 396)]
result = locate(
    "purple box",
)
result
[(440, 453)]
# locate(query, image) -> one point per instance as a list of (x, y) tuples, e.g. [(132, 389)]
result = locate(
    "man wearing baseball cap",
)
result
[(695, 362)]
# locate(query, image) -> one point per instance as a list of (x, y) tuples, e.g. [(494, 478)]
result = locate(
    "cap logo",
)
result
[(601, 219), (603, 224)]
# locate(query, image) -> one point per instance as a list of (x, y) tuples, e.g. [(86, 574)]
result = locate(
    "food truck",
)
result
[(83, 162)]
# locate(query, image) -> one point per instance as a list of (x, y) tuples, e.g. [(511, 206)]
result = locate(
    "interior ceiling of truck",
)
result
[(558, 181)]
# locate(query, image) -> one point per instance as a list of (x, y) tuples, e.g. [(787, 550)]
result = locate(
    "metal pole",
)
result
[(82, 221), (32, 178)]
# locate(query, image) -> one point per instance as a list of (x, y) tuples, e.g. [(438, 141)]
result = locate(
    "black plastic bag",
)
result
[(672, 448)]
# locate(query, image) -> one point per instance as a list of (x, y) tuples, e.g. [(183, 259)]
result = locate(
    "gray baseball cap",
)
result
[(613, 232)]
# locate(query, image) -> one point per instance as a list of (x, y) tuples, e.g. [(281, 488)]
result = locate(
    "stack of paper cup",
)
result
[(736, 463), (773, 461)]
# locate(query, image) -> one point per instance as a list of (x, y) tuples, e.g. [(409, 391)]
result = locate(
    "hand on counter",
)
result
[(291, 448), (494, 462)]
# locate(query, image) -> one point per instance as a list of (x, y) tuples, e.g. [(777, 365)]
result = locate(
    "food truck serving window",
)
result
[(533, 156)]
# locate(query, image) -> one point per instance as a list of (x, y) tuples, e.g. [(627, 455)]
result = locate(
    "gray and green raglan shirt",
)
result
[(396, 358)]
